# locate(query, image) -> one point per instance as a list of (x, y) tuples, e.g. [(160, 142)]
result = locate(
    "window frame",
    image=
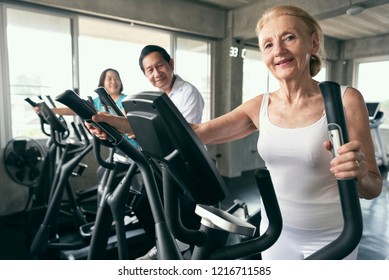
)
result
[(5, 111), (5, 97), (210, 47), (372, 59), (5, 106)]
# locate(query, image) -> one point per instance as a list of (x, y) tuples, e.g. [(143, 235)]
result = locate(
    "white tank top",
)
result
[(299, 165)]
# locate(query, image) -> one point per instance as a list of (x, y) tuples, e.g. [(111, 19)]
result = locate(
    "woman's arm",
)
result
[(120, 123), (234, 125), (357, 158), (62, 111)]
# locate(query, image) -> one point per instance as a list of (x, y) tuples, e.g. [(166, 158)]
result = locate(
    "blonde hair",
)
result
[(312, 25)]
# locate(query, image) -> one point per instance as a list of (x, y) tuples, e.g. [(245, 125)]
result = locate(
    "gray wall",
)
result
[(234, 28)]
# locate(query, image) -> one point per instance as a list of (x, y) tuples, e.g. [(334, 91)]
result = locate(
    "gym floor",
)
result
[(374, 245), (375, 239)]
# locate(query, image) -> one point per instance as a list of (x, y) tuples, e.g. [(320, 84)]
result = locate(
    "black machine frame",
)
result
[(166, 138)]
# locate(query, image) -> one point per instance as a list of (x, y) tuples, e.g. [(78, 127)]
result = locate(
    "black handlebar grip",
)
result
[(337, 126), (32, 103), (51, 101), (85, 110), (351, 209), (108, 102)]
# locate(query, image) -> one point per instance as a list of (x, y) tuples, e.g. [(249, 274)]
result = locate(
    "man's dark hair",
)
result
[(149, 49)]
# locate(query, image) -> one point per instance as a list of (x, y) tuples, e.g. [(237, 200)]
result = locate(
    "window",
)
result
[(193, 64), (256, 78), (370, 80), (48, 53), (40, 64), (106, 44)]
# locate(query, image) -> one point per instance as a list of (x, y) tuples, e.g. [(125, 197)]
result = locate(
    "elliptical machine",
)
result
[(197, 178), (117, 192), (65, 156), (165, 137)]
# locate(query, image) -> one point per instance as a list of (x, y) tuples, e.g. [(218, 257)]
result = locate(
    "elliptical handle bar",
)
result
[(76, 131), (108, 102), (97, 146), (41, 118), (352, 214), (29, 101), (85, 110), (51, 101), (272, 233)]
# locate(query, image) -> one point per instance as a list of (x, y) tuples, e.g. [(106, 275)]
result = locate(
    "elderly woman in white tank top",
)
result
[(293, 137)]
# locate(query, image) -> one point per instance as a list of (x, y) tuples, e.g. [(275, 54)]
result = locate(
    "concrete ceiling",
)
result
[(372, 21)]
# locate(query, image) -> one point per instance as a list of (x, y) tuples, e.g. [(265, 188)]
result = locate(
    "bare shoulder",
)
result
[(253, 102), (251, 108), (251, 105), (353, 99), (355, 107), (352, 94)]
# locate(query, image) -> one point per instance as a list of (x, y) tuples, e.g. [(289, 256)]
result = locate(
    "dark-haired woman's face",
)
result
[(112, 83), (158, 71)]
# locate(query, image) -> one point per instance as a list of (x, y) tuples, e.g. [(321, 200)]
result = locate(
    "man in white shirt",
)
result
[(158, 67)]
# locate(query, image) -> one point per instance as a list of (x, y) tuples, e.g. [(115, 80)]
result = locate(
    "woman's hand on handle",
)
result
[(121, 124), (351, 162)]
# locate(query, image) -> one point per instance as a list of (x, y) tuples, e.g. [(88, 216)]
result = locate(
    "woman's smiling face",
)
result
[(286, 46)]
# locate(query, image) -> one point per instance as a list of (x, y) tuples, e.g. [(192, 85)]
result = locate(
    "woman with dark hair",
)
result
[(111, 81)]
